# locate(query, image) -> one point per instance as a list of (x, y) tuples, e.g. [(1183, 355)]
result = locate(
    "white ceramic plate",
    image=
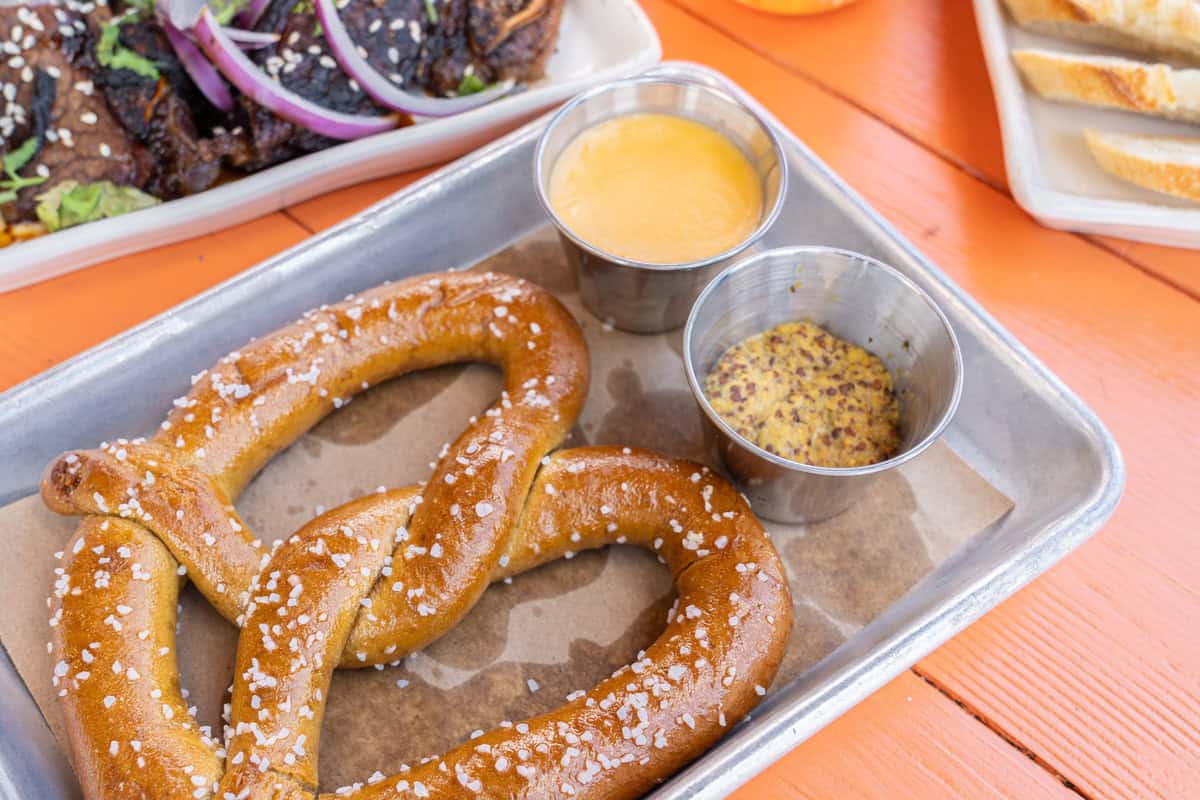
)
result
[(599, 40), (1050, 171)]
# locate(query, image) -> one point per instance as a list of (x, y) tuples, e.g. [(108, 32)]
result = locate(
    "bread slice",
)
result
[(1167, 164), (1111, 82), (1165, 27)]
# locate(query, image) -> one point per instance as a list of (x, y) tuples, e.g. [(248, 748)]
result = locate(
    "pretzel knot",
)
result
[(384, 575)]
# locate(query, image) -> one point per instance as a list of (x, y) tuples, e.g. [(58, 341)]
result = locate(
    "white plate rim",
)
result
[(1146, 222)]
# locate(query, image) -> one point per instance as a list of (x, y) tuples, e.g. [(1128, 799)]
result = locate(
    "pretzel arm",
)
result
[(253, 403), (180, 505), (113, 628), (302, 608), (719, 652)]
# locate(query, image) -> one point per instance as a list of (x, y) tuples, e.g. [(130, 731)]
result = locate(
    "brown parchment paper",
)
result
[(566, 625)]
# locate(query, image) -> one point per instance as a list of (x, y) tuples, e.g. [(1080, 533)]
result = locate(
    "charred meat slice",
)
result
[(83, 141), (491, 39), (166, 113), (515, 38), (432, 46), (302, 63), (420, 46)]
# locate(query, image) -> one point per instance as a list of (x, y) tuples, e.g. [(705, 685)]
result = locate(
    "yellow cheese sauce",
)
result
[(801, 393), (656, 188)]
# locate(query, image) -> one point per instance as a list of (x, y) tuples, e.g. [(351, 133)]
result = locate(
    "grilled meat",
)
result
[(496, 40), (301, 61), (157, 132), (41, 78), (516, 38), (420, 46), (167, 114)]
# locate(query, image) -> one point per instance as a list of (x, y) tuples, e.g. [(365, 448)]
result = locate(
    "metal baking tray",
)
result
[(1018, 426)]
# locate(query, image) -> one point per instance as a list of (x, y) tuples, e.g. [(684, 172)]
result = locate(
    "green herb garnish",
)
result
[(141, 8), (111, 53), (431, 12), (307, 7), (470, 84), (70, 203), (13, 161), (226, 10)]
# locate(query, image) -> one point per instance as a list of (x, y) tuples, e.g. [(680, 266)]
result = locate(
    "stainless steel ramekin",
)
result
[(637, 296), (857, 299)]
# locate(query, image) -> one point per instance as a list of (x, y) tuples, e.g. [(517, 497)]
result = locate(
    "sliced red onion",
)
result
[(382, 90), (252, 82), (248, 17), (203, 73), (251, 40)]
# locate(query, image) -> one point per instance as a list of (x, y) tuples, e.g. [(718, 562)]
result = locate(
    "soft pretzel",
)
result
[(182, 482), (386, 574)]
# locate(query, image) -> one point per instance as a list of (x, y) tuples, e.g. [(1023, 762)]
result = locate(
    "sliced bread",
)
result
[(1110, 82), (1148, 26), (1167, 164)]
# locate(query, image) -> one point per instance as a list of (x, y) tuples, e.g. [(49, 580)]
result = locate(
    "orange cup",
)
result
[(796, 7)]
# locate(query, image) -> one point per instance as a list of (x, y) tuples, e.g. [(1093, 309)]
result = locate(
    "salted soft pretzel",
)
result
[(384, 575)]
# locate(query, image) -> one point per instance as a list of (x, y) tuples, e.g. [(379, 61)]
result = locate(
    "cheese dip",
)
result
[(656, 188), (800, 392)]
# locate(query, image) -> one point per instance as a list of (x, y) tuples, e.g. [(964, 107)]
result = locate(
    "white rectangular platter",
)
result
[(599, 40), (1050, 172)]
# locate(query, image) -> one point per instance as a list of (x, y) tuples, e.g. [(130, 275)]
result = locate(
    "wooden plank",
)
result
[(1129, 711), (907, 742), (1175, 265), (1131, 347), (51, 321), (918, 66)]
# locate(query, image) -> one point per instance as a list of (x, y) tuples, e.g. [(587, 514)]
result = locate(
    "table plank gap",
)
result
[(767, 54), (1145, 697), (1127, 254), (290, 214), (906, 742), (999, 731), (1166, 277), (50, 321)]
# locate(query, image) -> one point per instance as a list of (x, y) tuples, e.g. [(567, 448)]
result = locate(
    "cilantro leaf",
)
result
[(143, 8), (15, 159), (70, 203), (111, 53), (470, 84)]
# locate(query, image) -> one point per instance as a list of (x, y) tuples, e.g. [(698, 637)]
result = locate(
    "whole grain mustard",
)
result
[(801, 393)]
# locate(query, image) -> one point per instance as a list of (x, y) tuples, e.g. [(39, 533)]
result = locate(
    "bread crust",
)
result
[(1175, 177), (386, 574), (1108, 82), (1164, 27)]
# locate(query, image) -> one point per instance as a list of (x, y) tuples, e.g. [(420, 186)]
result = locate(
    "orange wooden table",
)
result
[(1085, 684)]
